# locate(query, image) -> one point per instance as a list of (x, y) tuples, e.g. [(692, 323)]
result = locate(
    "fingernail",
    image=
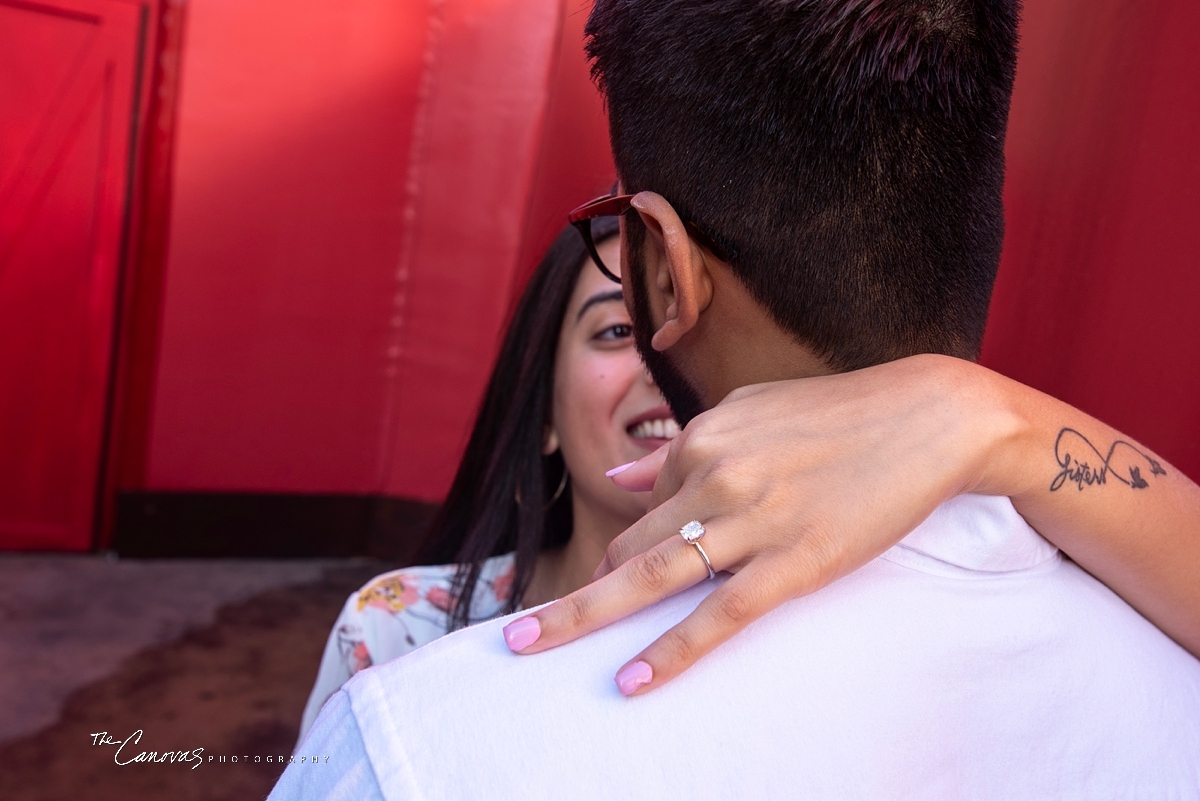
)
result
[(521, 634), (633, 676), (620, 469)]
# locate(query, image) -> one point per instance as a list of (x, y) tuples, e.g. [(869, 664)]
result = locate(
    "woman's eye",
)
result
[(616, 332)]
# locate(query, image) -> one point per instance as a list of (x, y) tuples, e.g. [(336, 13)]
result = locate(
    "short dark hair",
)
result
[(849, 154)]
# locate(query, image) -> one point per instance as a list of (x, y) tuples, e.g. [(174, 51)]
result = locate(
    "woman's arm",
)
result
[(800, 482), (1111, 504)]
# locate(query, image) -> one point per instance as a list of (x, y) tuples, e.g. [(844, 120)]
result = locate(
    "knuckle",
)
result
[(727, 484), (615, 552), (679, 452), (734, 607), (575, 611), (819, 556), (680, 443), (701, 442), (737, 393), (697, 443), (650, 572), (705, 459), (678, 648)]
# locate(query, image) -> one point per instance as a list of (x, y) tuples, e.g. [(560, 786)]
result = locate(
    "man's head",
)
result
[(846, 154)]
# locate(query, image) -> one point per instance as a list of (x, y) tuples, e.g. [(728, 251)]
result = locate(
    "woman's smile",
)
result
[(653, 428)]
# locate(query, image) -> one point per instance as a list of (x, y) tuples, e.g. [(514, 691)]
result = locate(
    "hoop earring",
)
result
[(562, 485)]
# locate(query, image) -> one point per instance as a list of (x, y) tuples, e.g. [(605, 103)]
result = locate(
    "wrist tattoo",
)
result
[(1124, 462)]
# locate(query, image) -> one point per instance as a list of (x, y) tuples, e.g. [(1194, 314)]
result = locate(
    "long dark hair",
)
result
[(503, 496)]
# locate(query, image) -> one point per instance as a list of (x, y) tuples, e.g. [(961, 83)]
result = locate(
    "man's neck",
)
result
[(737, 343)]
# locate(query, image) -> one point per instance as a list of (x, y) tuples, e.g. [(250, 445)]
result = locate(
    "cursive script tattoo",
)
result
[(1123, 462)]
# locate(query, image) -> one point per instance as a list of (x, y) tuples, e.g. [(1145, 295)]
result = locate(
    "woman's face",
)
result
[(606, 409)]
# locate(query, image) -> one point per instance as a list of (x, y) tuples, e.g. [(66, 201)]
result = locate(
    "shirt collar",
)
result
[(976, 534)]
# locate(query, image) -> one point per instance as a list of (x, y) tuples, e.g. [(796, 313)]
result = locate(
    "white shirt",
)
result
[(969, 661)]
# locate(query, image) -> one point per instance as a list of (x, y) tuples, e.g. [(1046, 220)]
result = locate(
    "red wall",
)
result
[(358, 189), (1098, 298), (354, 190)]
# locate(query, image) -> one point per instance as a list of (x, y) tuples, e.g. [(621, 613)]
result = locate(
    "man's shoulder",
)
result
[(473, 668), (333, 761), (480, 641), (886, 660), (445, 718)]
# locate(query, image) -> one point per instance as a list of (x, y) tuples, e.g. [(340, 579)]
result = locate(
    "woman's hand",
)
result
[(798, 483)]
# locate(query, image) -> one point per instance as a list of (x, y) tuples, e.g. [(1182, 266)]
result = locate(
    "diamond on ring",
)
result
[(692, 531), (691, 534)]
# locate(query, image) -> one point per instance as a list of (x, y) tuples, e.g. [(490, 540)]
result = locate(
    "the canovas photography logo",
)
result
[(129, 751)]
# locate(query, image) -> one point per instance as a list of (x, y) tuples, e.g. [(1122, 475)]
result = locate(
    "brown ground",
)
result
[(235, 688)]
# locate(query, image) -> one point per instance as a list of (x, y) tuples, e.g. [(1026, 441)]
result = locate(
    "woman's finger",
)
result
[(656, 526), (662, 571), (748, 595), (641, 475)]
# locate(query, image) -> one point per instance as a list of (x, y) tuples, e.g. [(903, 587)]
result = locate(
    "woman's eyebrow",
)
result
[(599, 297)]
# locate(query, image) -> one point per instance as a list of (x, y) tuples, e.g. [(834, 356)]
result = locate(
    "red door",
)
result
[(67, 102)]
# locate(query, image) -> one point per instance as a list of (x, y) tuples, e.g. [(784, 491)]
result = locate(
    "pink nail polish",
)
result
[(633, 676), (620, 469), (521, 634)]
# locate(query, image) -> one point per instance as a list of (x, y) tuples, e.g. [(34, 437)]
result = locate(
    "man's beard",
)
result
[(681, 396)]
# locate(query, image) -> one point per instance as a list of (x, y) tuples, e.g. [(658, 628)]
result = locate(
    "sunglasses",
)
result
[(614, 205)]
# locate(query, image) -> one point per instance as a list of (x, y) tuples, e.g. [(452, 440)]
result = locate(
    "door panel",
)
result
[(67, 94)]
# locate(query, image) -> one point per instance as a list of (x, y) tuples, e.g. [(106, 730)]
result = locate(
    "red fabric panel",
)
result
[(471, 182), (137, 340), (67, 82), (1098, 299), (359, 191), (575, 161), (291, 158), (545, 151)]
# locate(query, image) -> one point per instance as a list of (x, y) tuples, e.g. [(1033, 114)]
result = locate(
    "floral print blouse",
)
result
[(398, 612)]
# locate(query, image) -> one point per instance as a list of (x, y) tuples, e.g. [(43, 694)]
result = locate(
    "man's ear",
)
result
[(675, 269)]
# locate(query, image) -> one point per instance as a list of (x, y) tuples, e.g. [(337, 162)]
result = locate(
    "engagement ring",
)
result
[(691, 534)]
